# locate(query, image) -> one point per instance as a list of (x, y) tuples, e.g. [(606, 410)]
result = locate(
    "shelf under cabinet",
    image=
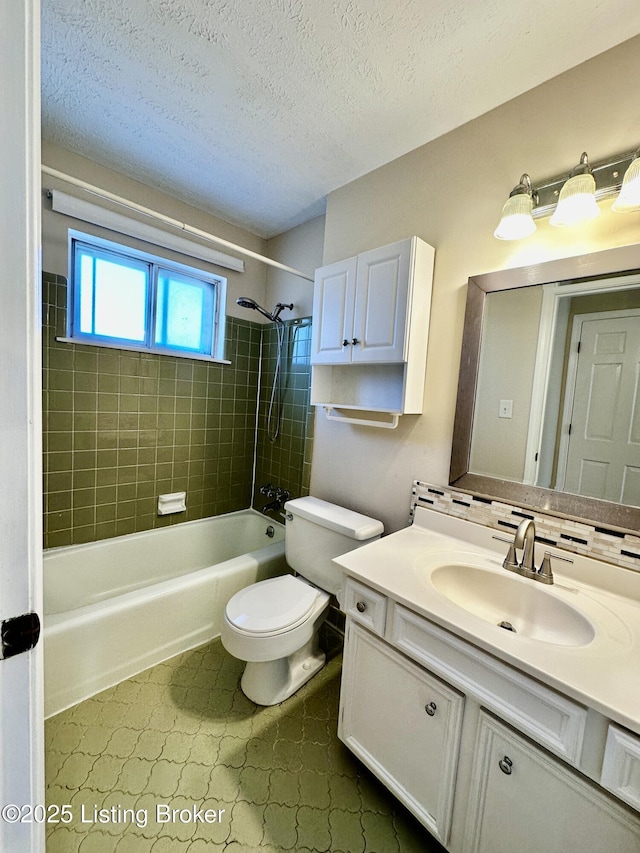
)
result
[(377, 389)]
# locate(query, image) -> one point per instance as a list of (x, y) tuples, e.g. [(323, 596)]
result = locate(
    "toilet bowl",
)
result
[(274, 624)]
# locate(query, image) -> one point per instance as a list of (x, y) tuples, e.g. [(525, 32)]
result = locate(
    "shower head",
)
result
[(246, 302)]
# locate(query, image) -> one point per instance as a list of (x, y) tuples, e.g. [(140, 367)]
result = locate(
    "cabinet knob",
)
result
[(506, 765), (345, 343), (431, 708), (361, 607), (355, 342)]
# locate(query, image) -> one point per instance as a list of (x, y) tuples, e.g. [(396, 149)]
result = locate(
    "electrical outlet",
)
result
[(506, 409)]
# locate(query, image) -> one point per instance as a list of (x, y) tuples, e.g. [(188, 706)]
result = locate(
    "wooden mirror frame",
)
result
[(609, 262)]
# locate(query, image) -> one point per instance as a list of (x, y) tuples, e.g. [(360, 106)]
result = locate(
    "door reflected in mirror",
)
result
[(557, 402), (540, 423)]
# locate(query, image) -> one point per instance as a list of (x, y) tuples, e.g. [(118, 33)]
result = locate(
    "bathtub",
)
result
[(115, 607)]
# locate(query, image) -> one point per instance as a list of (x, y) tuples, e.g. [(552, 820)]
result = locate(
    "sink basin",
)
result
[(513, 603)]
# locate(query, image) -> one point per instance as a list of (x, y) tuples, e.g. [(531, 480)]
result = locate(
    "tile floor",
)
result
[(182, 736)]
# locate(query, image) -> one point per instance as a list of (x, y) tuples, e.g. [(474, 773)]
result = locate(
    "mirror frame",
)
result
[(625, 259)]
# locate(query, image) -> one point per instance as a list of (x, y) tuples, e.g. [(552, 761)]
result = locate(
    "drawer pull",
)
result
[(506, 765), (361, 607), (431, 708)]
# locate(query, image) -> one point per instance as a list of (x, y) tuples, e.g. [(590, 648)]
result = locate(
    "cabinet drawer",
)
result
[(621, 766), (548, 717), (366, 605)]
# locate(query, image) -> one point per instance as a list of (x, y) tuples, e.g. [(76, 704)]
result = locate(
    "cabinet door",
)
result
[(333, 302), (380, 314), (524, 801), (404, 724)]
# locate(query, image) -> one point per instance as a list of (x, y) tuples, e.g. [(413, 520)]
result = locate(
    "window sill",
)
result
[(131, 348)]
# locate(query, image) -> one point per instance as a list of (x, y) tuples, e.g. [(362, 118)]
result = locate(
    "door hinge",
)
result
[(19, 634)]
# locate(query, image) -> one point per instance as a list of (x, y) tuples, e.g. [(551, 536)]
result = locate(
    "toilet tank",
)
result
[(317, 531)]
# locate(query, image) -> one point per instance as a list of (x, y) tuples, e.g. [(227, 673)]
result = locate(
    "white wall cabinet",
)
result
[(370, 332), (477, 783)]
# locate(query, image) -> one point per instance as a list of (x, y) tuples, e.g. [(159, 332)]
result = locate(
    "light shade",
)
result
[(577, 200), (516, 221), (629, 197)]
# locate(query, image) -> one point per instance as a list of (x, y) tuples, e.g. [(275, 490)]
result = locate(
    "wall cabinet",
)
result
[(370, 332), (487, 758)]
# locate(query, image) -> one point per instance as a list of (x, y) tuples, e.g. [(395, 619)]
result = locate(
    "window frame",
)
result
[(157, 266)]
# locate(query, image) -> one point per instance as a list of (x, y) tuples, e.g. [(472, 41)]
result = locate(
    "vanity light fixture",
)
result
[(577, 200), (516, 221), (574, 199), (629, 198)]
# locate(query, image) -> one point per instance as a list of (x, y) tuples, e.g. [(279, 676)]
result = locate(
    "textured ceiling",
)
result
[(254, 110)]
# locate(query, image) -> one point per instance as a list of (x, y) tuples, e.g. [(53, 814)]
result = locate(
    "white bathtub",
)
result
[(118, 606)]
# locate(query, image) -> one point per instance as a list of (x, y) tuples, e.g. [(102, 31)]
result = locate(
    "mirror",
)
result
[(524, 389)]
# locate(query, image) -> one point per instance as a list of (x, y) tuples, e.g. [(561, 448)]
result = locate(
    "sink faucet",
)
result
[(525, 539)]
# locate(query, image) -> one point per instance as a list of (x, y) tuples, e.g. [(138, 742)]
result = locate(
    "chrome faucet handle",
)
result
[(510, 563), (544, 573)]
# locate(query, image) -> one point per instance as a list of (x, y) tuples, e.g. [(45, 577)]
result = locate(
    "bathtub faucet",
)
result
[(280, 496), (273, 506)]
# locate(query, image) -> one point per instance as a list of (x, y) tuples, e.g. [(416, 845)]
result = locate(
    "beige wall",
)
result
[(300, 248), (450, 193), (505, 372), (252, 282)]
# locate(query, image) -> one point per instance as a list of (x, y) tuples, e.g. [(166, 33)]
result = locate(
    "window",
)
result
[(124, 298)]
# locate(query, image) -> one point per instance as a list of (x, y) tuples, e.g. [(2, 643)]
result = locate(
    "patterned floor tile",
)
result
[(178, 760)]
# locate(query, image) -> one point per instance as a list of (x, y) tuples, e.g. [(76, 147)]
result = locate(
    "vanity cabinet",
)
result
[(503, 764), (522, 799), (370, 331), (621, 766), (404, 724)]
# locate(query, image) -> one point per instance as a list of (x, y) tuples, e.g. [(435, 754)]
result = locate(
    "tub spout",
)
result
[(272, 506)]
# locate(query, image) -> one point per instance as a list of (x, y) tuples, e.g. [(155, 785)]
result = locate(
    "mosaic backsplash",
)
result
[(603, 543)]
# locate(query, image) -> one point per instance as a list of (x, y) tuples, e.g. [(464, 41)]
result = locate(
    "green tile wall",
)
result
[(122, 427), (287, 461)]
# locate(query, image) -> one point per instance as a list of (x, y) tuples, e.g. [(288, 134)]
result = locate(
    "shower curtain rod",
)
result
[(174, 223)]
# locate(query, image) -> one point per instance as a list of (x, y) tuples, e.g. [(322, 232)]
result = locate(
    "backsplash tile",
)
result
[(613, 546)]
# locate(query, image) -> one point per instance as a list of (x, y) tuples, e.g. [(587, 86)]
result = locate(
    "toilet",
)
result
[(273, 625)]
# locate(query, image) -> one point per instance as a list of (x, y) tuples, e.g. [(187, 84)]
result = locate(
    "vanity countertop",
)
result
[(603, 674)]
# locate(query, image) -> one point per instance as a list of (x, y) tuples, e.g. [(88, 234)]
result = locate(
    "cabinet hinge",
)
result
[(19, 634), (579, 345)]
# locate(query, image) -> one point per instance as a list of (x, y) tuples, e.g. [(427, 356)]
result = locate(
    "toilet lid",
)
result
[(272, 605)]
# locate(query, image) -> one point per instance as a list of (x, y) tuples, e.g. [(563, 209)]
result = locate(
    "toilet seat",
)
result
[(271, 606)]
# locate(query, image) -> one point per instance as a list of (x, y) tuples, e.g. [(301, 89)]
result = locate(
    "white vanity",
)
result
[(505, 714)]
